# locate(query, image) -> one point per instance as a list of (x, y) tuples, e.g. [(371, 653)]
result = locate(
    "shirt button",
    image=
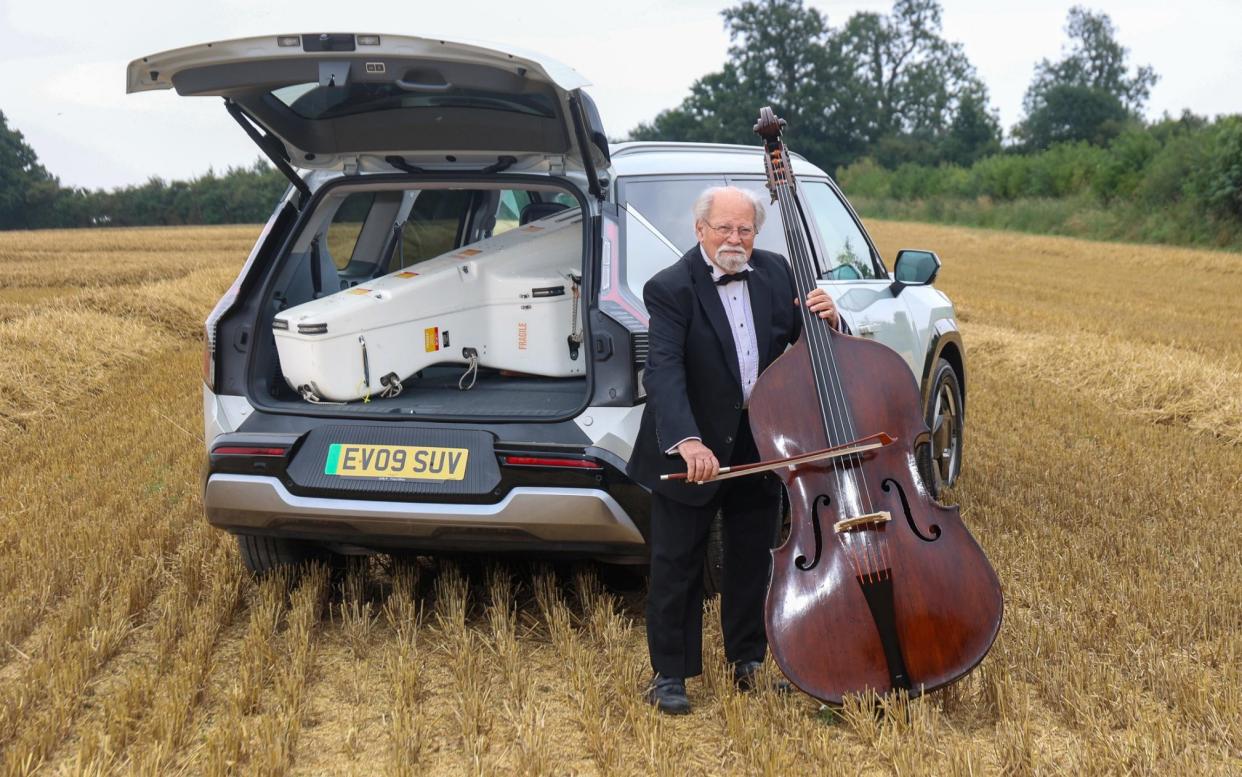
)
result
[(737, 405), (728, 439)]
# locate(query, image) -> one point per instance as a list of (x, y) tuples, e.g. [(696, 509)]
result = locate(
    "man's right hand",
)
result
[(701, 463)]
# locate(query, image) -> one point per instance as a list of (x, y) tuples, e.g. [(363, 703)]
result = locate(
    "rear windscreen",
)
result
[(312, 101)]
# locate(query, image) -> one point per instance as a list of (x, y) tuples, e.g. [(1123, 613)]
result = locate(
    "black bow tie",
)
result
[(727, 278)]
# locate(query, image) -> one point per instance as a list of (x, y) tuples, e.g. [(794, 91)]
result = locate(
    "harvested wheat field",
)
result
[(1103, 477)]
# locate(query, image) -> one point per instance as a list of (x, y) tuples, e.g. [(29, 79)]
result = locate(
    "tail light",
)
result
[(550, 461), (249, 450)]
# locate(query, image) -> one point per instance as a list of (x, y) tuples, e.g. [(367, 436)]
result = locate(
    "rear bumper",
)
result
[(536, 519)]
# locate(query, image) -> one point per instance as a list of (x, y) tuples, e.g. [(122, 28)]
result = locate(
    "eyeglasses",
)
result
[(744, 233)]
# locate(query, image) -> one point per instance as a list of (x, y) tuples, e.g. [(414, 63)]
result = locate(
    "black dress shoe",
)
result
[(746, 678), (668, 695)]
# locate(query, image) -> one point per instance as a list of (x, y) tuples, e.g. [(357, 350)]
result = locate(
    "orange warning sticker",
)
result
[(466, 253), (532, 228), (431, 338), (407, 274), (359, 290)]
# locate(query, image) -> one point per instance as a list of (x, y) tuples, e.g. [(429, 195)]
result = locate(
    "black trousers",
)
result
[(750, 509)]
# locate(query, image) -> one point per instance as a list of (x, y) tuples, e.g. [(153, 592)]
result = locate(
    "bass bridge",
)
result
[(870, 519)]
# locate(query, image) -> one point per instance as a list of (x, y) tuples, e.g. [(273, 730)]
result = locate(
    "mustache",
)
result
[(723, 250)]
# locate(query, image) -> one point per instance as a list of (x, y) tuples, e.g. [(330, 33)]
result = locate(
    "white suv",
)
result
[(492, 408)]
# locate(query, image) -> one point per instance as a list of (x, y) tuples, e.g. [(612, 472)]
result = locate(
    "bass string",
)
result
[(805, 278), (873, 539), (860, 558), (827, 375), (878, 557), (804, 274)]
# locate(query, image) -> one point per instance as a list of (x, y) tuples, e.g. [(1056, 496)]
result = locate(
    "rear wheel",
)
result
[(264, 555), (940, 461)]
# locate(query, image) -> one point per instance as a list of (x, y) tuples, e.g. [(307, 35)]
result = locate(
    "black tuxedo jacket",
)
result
[(694, 388)]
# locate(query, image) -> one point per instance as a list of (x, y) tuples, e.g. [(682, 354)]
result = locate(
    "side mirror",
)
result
[(914, 268)]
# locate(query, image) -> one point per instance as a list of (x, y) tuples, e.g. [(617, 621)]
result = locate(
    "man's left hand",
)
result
[(819, 302)]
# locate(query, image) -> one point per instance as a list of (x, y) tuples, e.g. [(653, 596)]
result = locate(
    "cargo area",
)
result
[(448, 300)]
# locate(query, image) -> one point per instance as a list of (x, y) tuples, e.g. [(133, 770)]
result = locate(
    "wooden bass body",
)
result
[(859, 601)]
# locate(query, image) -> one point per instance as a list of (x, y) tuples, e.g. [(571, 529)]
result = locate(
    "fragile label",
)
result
[(431, 338), (359, 290), (532, 228), (468, 252), (407, 274), (522, 336)]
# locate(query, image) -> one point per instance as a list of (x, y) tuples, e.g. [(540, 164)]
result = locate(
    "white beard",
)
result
[(731, 261)]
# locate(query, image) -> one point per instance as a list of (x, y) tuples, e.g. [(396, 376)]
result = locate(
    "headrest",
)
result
[(538, 210)]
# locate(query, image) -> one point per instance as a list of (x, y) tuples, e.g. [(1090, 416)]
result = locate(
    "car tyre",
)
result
[(265, 555), (940, 461)]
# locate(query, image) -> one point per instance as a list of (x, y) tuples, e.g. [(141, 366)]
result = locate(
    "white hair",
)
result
[(703, 205)]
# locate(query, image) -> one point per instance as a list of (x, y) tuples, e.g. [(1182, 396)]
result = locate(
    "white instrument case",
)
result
[(511, 300)]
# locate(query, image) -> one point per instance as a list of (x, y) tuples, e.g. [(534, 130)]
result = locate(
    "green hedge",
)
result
[(1178, 181)]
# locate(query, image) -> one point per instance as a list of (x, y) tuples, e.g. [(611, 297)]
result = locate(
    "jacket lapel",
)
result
[(709, 298)]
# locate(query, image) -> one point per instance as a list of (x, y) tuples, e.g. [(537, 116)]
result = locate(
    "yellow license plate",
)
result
[(414, 462)]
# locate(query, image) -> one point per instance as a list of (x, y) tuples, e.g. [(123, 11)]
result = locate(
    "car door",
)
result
[(856, 279)]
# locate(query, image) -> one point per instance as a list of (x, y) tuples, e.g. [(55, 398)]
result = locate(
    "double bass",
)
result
[(878, 587)]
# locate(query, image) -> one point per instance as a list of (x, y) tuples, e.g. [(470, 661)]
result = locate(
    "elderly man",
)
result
[(719, 317)]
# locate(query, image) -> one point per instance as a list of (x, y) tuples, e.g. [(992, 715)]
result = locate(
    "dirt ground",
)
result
[(1103, 477)]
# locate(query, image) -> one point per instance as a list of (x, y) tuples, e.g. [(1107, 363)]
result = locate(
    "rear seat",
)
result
[(538, 210)]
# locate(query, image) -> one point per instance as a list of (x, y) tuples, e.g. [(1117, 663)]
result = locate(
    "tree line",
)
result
[(33, 198)]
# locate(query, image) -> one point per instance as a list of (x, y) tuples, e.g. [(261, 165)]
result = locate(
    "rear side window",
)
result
[(659, 225), (346, 225), (772, 236), (668, 205)]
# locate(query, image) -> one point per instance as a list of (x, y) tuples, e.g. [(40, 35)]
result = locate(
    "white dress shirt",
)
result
[(735, 297)]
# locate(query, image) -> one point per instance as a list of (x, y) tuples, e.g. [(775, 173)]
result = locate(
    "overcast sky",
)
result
[(64, 62)]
